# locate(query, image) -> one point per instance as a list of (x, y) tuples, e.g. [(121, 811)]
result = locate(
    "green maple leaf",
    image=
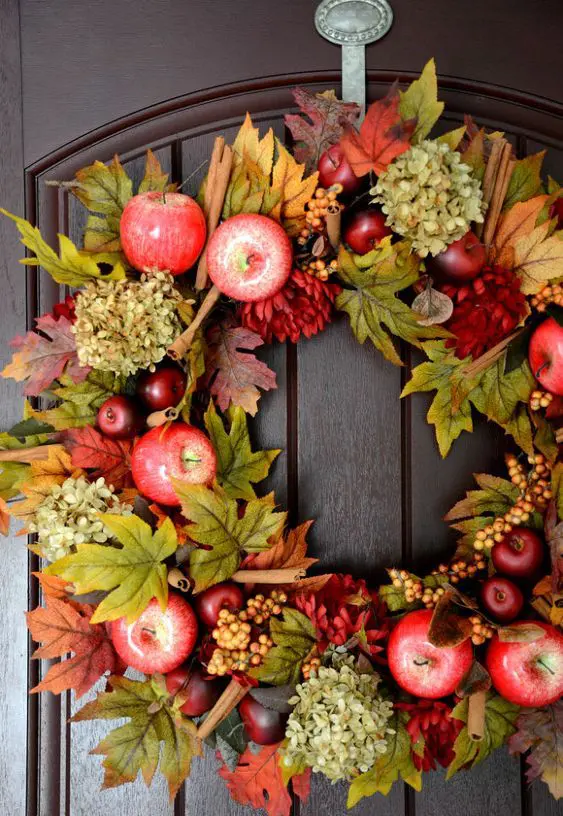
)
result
[(237, 464), (371, 300), (420, 102), (132, 574), (450, 410), (79, 402), (71, 266), (136, 746), (525, 181), (216, 525), (104, 190), (495, 497), (294, 637), (396, 761), (500, 718)]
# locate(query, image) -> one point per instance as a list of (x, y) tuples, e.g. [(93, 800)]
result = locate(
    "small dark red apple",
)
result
[(460, 262), (249, 257), (502, 599), (178, 452), (262, 725), (546, 355), (209, 603), (528, 674), (520, 553), (163, 388), (158, 641), (163, 231), (119, 418), (334, 168), (364, 230), (418, 666), (199, 691)]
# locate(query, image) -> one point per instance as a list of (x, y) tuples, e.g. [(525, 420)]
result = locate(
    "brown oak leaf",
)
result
[(91, 450), (65, 627), (257, 781), (382, 137), (233, 374), (40, 359)]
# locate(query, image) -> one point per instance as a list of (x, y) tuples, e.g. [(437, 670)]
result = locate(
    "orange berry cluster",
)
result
[(535, 487), (238, 649), (540, 399), (317, 208), (547, 295), (309, 666), (402, 579), (482, 631), (320, 269)]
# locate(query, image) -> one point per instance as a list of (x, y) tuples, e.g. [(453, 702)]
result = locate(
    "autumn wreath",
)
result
[(135, 473)]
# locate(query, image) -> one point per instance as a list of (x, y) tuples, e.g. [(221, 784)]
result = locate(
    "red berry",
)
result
[(502, 599), (365, 229), (221, 596), (200, 691), (334, 168), (460, 262), (519, 554), (262, 725), (120, 418), (163, 388)]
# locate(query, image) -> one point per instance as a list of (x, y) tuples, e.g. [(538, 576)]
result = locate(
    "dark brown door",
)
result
[(80, 81)]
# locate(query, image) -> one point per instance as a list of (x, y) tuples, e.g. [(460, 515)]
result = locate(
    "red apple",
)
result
[(249, 257), (364, 230), (418, 666), (528, 674), (199, 691), (502, 599), (546, 355), (334, 168), (556, 211), (178, 452), (264, 726), (519, 554), (209, 603), (158, 640), (119, 418), (460, 262), (162, 231), (163, 388)]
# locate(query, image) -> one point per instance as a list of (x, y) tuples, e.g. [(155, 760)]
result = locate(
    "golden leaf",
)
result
[(538, 258), (517, 223), (248, 144), (296, 191), (43, 474)]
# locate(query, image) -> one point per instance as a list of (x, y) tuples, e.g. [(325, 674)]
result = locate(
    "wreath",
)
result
[(135, 473)]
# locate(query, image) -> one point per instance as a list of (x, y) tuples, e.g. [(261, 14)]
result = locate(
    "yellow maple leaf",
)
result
[(295, 190), (43, 474), (538, 258), (248, 144), (516, 224)]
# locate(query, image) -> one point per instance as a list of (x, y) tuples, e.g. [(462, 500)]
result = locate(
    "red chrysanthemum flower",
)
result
[(65, 309), (432, 720), (486, 310), (303, 306), (345, 608)]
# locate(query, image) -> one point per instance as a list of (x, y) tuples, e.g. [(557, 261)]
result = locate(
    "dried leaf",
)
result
[(234, 375), (433, 306), (294, 638), (63, 627), (110, 458), (520, 633), (516, 223), (420, 102), (538, 259), (540, 731), (135, 574), (257, 781), (382, 137), (155, 178), (447, 628), (495, 497), (275, 698), (321, 124), (476, 679), (42, 358)]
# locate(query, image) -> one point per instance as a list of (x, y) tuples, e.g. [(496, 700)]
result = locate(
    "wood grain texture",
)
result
[(13, 597)]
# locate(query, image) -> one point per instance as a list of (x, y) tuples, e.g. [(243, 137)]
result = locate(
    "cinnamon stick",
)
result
[(490, 356), (273, 576), (476, 715), (178, 580), (158, 418), (182, 343), (505, 168), (489, 180), (36, 454), (230, 698), (217, 184), (333, 223)]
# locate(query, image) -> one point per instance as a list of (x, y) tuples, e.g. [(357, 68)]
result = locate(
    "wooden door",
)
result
[(83, 81)]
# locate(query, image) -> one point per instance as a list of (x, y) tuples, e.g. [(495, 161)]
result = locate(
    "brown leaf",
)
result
[(520, 633), (447, 628), (103, 456), (516, 223), (382, 137), (476, 679), (433, 306)]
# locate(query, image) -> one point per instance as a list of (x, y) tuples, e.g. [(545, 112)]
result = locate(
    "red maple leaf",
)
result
[(42, 358), (301, 785), (105, 457), (382, 137), (257, 781), (64, 627)]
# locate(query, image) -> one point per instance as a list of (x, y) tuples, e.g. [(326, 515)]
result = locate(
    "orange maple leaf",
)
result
[(64, 627), (257, 781), (382, 137), (53, 586), (4, 517), (517, 223)]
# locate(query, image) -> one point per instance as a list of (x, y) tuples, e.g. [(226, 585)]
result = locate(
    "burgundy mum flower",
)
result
[(432, 720), (303, 306), (65, 309), (486, 310)]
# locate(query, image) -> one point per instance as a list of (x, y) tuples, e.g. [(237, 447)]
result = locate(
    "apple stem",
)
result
[(164, 196), (545, 364), (150, 631), (421, 661), (545, 666)]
